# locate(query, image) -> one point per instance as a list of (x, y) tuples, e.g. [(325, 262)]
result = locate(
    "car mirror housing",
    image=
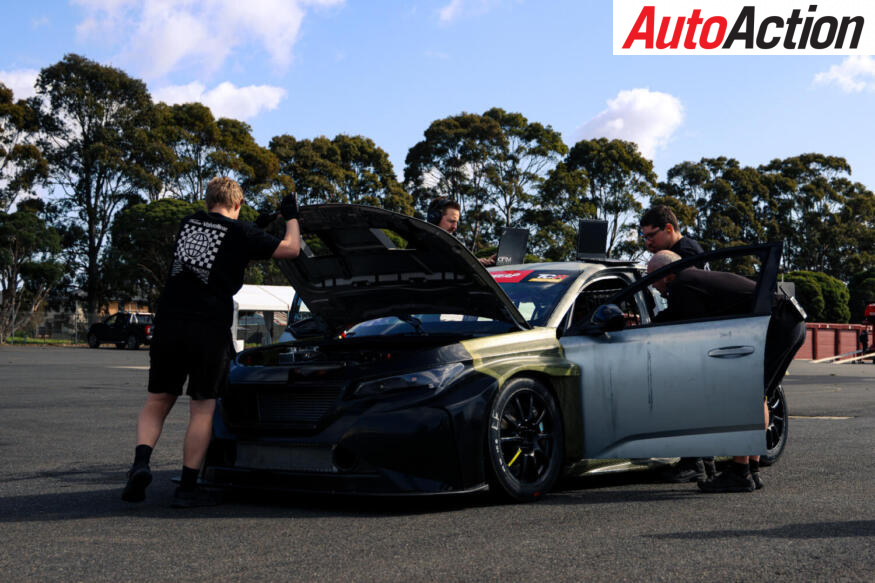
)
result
[(608, 318)]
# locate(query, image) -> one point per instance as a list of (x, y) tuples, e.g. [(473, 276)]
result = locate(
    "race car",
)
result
[(420, 372)]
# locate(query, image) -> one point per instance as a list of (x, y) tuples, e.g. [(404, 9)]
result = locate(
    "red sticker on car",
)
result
[(514, 276)]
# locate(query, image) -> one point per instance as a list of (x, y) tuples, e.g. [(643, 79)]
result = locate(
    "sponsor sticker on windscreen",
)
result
[(548, 277), (513, 276)]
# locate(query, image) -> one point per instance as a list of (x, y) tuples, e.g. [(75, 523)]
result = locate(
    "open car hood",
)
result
[(360, 263)]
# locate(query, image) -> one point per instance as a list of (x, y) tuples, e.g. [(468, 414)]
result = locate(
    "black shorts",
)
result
[(199, 351)]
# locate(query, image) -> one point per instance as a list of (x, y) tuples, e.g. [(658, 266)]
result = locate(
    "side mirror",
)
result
[(608, 318), (605, 318)]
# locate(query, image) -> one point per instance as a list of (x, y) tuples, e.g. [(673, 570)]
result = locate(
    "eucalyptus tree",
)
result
[(455, 160), (803, 204), (96, 122), (619, 177), (28, 266), (22, 165), (346, 169)]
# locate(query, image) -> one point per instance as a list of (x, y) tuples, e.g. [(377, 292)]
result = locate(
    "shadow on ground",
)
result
[(104, 501)]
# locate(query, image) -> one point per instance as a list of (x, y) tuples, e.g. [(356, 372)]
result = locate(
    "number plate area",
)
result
[(288, 458)]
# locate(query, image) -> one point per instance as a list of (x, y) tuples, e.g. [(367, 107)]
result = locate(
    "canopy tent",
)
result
[(261, 298)]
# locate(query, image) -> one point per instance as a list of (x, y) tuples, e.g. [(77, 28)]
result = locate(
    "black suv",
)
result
[(124, 329)]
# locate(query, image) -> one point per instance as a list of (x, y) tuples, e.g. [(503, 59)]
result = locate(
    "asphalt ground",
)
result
[(67, 420)]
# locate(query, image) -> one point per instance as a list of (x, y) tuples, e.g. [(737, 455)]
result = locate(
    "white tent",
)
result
[(261, 298)]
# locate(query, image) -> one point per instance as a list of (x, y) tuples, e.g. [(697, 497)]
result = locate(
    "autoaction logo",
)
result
[(765, 27)]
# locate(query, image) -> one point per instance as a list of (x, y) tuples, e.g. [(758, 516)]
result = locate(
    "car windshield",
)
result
[(534, 292)]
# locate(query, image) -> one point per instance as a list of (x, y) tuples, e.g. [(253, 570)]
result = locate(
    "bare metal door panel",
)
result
[(688, 389)]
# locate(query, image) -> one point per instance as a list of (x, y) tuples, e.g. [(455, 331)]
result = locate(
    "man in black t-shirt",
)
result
[(192, 328), (660, 231)]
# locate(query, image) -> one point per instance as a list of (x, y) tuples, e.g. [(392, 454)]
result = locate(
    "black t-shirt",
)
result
[(696, 293), (210, 256), (686, 247)]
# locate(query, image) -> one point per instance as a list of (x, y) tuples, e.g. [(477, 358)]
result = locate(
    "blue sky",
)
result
[(387, 69)]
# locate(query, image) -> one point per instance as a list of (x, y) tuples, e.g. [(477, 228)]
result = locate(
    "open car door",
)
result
[(682, 388)]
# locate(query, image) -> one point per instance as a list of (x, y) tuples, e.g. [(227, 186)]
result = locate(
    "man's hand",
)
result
[(289, 207)]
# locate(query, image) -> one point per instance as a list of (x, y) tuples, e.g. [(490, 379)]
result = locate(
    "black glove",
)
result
[(264, 219), (289, 207)]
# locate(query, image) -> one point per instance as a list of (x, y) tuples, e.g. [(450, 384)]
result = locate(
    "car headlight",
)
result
[(433, 378)]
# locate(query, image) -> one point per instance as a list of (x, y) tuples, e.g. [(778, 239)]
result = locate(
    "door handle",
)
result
[(731, 351)]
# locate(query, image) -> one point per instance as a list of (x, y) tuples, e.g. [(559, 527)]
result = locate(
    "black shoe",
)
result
[(138, 478), (193, 498), (728, 481), (757, 481), (686, 470), (710, 467)]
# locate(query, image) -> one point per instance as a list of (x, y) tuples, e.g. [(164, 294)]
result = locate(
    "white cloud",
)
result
[(450, 11), (161, 36), (856, 73), (21, 82), (648, 118), (225, 100), (458, 8)]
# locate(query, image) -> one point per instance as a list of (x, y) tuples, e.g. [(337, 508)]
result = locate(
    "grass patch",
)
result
[(31, 340)]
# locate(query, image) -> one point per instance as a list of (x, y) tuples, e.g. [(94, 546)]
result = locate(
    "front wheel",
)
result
[(525, 441), (776, 432), (93, 342)]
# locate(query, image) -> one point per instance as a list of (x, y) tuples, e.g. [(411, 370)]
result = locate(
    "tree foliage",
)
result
[(28, 270), (93, 138), (618, 178), (805, 196), (95, 133), (824, 297), (346, 169), (197, 147), (454, 160), (22, 164)]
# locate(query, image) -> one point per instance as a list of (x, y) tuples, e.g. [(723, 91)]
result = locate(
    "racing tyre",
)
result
[(776, 433), (92, 341), (525, 441), (132, 343)]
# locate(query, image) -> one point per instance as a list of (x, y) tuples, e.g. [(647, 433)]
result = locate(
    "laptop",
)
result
[(512, 247), (592, 239)]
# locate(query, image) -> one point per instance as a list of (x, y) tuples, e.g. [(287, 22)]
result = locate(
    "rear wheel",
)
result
[(525, 441), (132, 343), (92, 341), (776, 433)]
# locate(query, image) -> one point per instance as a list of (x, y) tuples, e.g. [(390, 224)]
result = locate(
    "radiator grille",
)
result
[(297, 404)]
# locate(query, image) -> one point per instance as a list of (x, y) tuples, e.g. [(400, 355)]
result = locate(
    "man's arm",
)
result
[(290, 246)]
